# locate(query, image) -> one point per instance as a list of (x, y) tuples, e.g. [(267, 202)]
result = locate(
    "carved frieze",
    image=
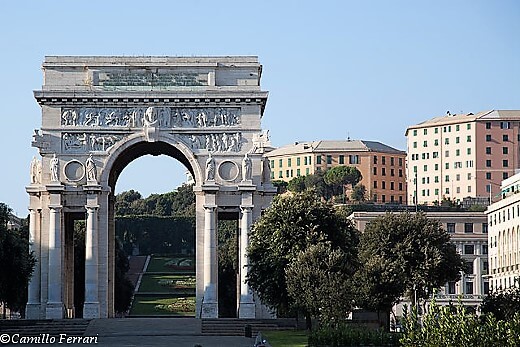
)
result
[(161, 117), (84, 142), (224, 142)]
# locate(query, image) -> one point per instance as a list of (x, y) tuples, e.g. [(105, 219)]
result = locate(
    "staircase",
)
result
[(237, 327), (25, 327)]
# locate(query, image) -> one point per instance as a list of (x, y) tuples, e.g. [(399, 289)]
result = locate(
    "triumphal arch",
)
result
[(101, 113)]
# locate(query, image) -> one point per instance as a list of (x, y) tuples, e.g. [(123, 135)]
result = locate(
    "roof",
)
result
[(334, 146), (467, 117)]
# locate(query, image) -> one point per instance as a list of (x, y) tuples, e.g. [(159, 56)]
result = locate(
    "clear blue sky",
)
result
[(364, 69)]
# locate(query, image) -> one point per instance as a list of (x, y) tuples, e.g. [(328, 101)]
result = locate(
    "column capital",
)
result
[(246, 208), (91, 207), (55, 208), (210, 208)]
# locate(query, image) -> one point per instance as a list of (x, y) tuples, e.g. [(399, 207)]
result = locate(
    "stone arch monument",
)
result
[(101, 113)]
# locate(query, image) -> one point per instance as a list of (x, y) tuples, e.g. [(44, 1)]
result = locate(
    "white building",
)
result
[(503, 238), (468, 232)]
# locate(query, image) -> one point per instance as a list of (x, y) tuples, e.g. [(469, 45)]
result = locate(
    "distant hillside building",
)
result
[(462, 155), (382, 167), (469, 233), (504, 235)]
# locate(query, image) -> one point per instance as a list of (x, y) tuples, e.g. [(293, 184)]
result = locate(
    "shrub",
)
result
[(348, 335)]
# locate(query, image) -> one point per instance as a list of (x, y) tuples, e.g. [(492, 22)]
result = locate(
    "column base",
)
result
[(33, 311), (209, 310), (246, 310), (91, 310), (54, 310)]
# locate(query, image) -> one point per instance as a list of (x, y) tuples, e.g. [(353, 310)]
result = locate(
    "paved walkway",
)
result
[(178, 332)]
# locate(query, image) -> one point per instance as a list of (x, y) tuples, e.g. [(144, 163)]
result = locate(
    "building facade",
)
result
[(382, 167), (462, 155), (503, 238), (469, 233)]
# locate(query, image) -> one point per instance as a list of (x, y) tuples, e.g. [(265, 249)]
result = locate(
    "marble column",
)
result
[(54, 308), (246, 308), (91, 306), (32, 309), (210, 301)]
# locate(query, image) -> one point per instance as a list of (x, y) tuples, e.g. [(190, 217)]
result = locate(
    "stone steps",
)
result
[(237, 327), (26, 327)]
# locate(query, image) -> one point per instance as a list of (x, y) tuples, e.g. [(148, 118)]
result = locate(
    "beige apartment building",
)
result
[(382, 167), (504, 236), (469, 233), (462, 155)]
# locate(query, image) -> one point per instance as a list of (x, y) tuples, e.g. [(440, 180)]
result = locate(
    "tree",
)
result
[(319, 281), (502, 303), (404, 254), (359, 193), (338, 176), (290, 226), (123, 288), (17, 263), (297, 184), (124, 204), (317, 183)]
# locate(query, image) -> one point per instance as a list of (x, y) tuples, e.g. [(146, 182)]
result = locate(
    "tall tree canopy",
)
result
[(284, 234), (404, 254), (339, 176)]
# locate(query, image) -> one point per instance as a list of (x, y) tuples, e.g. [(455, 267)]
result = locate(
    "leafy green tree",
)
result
[(317, 183), (338, 176), (280, 185), (319, 281), (404, 254), (123, 288), (126, 203), (290, 226), (359, 193), (502, 303), (227, 267), (17, 263), (297, 184)]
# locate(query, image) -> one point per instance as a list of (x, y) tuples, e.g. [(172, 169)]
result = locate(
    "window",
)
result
[(436, 167), (415, 169), (392, 172), (307, 171), (435, 154), (318, 159), (469, 189), (425, 144), (391, 185), (457, 177), (488, 138), (383, 198), (287, 173), (383, 171), (298, 161), (447, 178), (447, 154), (447, 141), (272, 164), (436, 130), (383, 160), (436, 142), (450, 227), (468, 138), (272, 175), (342, 159), (289, 162), (486, 288), (375, 184), (505, 175), (415, 144), (505, 163), (425, 131), (457, 127), (375, 159), (374, 170), (329, 159), (400, 172), (400, 161), (447, 190), (469, 150), (488, 175), (469, 288), (280, 174), (354, 159), (488, 163), (469, 163), (436, 179), (469, 175), (425, 168), (505, 125), (488, 125), (505, 150), (298, 172), (436, 191), (451, 288), (469, 249), (457, 139), (484, 249), (468, 126), (505, 138), (484, 228), (488, 150), (392, 161), (310, 160), (447, 166), (280, 162), (457, 152), (468, 228), (400, 186), (415, 132)]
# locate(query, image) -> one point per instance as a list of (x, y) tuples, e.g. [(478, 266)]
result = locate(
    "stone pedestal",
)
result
[(91, 310), (33, 311), (247, 310), (54, 310)]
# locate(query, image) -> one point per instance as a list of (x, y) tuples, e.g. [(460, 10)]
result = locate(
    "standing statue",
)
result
[(55, 176), (246, 168), (266, 170), (210, 168), (91, 169), (36, 171)]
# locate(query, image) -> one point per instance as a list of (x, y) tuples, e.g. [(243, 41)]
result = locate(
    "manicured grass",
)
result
[(151, 305), (157, 283), (171, 264), (286, 338)]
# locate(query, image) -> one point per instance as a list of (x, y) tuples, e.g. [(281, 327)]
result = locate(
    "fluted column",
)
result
[(246, 307), (91, 306), (54, 308), (210, 302), (33, 296)]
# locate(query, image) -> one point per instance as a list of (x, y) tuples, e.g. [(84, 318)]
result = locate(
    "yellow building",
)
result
[(382, 167)]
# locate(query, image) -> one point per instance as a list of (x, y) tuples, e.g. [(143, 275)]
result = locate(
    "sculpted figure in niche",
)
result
[(266, 170), (55, 177), (246, 168), (210, 168), (91, 169), (150, 117)]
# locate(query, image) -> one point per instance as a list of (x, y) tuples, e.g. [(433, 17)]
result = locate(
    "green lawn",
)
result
[(157, 305), (157, 283), (286, 338), (171, 264)]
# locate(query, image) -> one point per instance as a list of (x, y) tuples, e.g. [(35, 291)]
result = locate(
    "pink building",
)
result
[(461, 156)]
